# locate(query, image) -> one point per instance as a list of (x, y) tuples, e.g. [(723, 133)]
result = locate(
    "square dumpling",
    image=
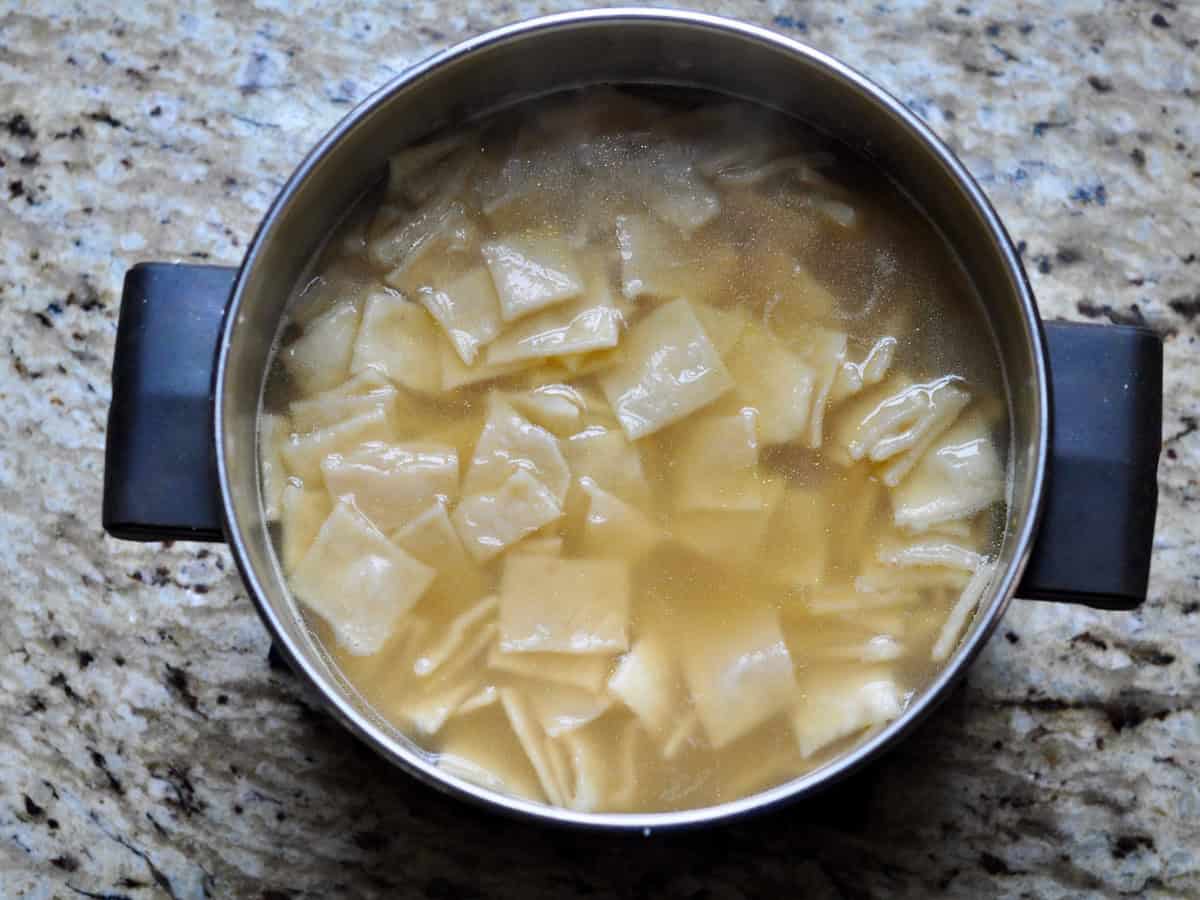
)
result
[(358, 581), (647, 680), (716, 463), (581, 325), (837, 704), (457, 374), (584, 672), (613, 528), (389, 483), (273, 432), (739, 673), (468, 310), (798, 542), (531, 273), (729, 536), (548, 604), (399, 339), (960, 475), (558, 408), (320, 358), (607, 457), (670, 369), (302, 512), (304, 453), (491, 522), (657, 261), (774, 381), (509, 442), (361, 394)]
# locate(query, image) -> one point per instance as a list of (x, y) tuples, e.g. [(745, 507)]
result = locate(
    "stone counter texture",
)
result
[(151, 746)]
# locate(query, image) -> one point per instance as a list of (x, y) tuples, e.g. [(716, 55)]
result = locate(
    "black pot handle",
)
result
[(160, 478), (1093, 546)]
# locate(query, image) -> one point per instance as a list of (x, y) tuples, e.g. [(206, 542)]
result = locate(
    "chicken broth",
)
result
[(635, 454)]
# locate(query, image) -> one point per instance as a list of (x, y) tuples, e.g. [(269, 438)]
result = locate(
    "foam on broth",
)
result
[(767, 615)]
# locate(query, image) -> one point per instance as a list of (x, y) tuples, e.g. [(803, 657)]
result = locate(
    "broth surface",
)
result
[(635, 454)]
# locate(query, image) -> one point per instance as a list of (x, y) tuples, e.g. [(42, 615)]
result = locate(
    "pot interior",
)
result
[(578, 50)]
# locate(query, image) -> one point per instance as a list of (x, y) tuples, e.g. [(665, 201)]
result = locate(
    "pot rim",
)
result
[(809, 783)]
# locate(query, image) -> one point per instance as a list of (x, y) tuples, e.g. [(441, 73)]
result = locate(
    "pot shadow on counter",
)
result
[(400, 835)]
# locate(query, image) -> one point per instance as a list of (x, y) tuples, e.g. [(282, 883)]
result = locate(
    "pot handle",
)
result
[(1097, 529), (160, 477)]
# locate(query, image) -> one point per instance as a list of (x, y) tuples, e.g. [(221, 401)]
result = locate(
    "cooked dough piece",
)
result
[(531, 273), (716, 463), (400, 241), (399, 339), (903, 424), (840, 703), (824, 351), (492, 521), (739, 673), (584, 324), (430, 537), (729, 536), (670, 370), (304, 453), (724, 327), (929, 551), (557, 605), (273, 431), (967, 602), (454, 636), (410, 167), (508, 443), (647, 680), (303, 510), (613, 528), (320, 358), (960, 475), (657, 261), (544, 545), (390, 483), (537, 748), (584, 672), (456, 374), (847, 599), (775, 382), (612, 462), (798, 540), (877, 577), (363, 393), (853, 377), (560, 709), (358, 580), (468, 310), (680, 197), (556, 407)]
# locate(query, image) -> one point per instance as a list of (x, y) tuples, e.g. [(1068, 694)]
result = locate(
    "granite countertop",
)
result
[(150, 744)]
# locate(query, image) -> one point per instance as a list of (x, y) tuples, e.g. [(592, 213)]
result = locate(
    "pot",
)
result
[(194, 342)]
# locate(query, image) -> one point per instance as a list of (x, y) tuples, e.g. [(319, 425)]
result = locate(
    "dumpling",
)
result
[(302, 511), (657, 261), (966, 604), (716, 463), (903, 424), (957, 477), (304, 453), (390, 483), (729, 536), (454, 636), (468, 310), (509, 443), (824, 351), (399, 339), (587, 673), (320, 358), (608, 459), (556, 407), (399, 243), (930, 550), (584, 324), (838, 704), (560, 709), (492, 521), (776, 383), (799, 539), (430, 537), (531, 273), (739, 673), (647, 680), (358, 581), (363, 393), (670, 370), (548, 604), (853, 377), (613, 528), (273, 433)]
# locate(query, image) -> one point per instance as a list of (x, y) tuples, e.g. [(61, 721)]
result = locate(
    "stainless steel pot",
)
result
[(194, 343)]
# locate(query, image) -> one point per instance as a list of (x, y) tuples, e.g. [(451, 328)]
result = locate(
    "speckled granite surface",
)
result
[(150, 748)]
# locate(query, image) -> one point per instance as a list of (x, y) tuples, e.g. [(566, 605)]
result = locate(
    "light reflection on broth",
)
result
[(635, 455)]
